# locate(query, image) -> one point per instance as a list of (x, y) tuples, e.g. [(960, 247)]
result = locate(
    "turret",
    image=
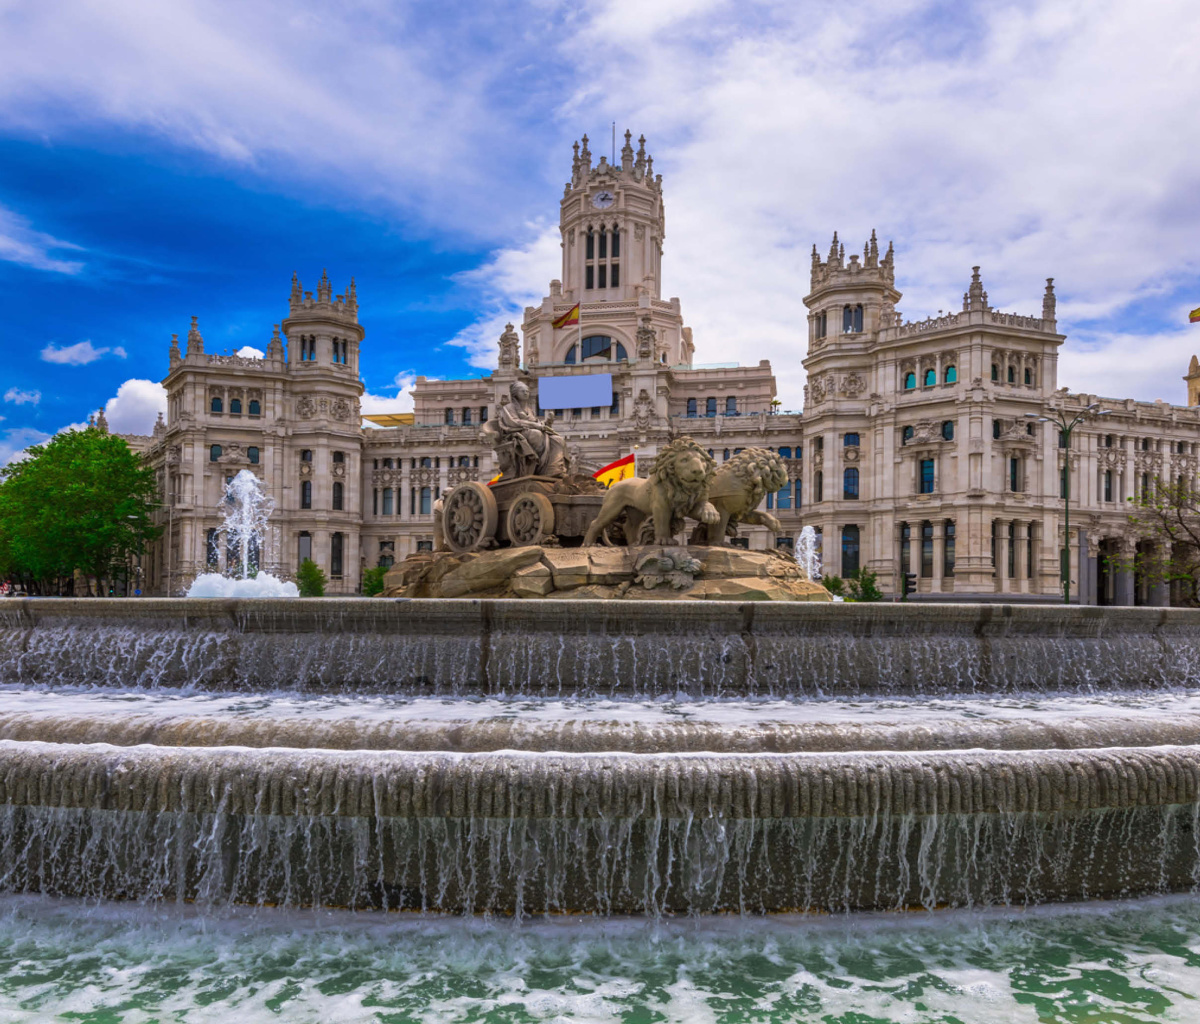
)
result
[(975, 299), (195, 343), (850, 296), (1193, 382), (320, 332), (1050, 308)]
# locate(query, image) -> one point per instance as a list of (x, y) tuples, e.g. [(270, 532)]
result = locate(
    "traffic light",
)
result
[(910, 585)]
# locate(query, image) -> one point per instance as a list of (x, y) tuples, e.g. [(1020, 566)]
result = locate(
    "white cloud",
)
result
[(400, 402), (14, 442), (79, 354), (19, 397), (135, 406), (508, 282), (19, 243), (250, 352)]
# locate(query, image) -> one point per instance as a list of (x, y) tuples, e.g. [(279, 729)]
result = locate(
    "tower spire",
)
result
[(1050, 304)]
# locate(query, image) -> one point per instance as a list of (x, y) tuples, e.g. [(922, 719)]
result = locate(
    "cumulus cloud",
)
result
[(79, 354), (19, 397), (14, 442), (135, 406), (400, 402), (250, 352), (508, 282), (20, 243)]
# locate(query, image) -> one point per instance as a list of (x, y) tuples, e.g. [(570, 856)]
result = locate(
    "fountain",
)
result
[(632, 755), (245, 509), (808, 552)]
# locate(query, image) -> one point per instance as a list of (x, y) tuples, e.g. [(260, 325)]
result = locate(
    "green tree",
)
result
[(1168, 516), (863, 586), (372, 580), (834, 584), (310, 579), (81, 502)]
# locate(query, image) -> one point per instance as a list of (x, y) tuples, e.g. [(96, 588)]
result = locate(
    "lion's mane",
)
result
[(682, 496), (761, 472)]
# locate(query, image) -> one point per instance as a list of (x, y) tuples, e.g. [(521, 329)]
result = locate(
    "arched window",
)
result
[(726, 458), (710, 407), (255, 407), (1145, 444), (1029, 429), (850, 484), (852, 319), (691, 408), (466, 416), (1028, 375), (389, 506), (235, 406), (850, 441), (598, 348), (252, 455), (849, 550), (335, 555), (339, 457), (214, 453), (426, 501), (910, 381), (822, 325), (818, 486), (907, 434), (731, 406), (1108, 440), (216, 405), (306, 494), (950, 375), (1012, 374), (948, 430), (339, 491), (930, 377), (306, 455)]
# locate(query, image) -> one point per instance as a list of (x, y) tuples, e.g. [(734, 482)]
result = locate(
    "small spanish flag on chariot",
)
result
[(570, 317), (622, 469), (1195, 316)]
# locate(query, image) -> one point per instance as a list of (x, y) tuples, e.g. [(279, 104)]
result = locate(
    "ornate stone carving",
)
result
[(850, 454), (853, 385), (341, 409), (524, 444), (510, 349), (643, 410), (645, 338), (461, 474), (306, 407), (736, 491), (639, 232)]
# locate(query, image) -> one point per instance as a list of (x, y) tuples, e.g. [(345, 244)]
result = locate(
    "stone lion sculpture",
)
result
[(677, 488), (736, 491)]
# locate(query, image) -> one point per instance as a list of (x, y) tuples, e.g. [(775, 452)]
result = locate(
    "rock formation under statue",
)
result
[(543, 529)]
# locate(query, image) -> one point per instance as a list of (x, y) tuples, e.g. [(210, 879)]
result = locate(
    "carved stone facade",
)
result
[(919, 449)]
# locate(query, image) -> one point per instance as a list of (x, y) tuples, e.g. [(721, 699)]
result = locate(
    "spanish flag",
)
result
[(622, 469), (571, 316), (1193, 318), (494, 479)]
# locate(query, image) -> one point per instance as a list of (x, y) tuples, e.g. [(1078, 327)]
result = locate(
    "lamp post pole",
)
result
[(1065, 429)]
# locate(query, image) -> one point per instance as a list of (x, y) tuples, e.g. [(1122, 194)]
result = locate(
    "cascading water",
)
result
[(245, 509), (808, 552)]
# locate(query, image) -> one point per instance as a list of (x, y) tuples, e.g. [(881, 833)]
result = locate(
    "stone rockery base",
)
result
[(656, 573)]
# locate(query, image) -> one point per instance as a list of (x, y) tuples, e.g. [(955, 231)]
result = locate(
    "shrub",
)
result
[(310, 579), (863, 587), (372, 580), (834, 584)]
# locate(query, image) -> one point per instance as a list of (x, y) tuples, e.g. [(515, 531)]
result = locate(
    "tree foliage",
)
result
[(372, 580), (81, 502), (1169, 517), (310, 579), (860, 585)]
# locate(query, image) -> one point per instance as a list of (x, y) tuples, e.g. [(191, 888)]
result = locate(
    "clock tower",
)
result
[(612, 226)]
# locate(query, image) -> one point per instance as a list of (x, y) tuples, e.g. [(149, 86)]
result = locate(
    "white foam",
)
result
[(213, 584)]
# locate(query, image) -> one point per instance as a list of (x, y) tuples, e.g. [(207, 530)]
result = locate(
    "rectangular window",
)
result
[(587, 278), (1014, 475), (426, 501), (602, 283), (412, 501), (849, 550), (335, 556), (784, 498), (388, 501), (375, 502), (616, 246), (483, 414), (905, 546), (948, 560), (1108, 488), (305, 547), (604, 245), (616, 275), (927, 476), (590, 248), (927, 550)]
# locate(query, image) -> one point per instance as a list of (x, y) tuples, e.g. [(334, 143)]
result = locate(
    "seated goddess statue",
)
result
[(526, 446)]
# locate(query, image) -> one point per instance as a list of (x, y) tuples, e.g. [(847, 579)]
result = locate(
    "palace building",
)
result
[(918, 451)]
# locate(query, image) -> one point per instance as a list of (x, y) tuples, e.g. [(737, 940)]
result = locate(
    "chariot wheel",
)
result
[(469, 517), (530, 519)]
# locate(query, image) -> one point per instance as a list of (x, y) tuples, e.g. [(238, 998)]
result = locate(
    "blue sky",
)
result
[(159, 161)]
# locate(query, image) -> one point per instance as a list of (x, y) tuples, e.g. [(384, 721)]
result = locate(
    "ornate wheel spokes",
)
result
[(469, 516), (530, 519)]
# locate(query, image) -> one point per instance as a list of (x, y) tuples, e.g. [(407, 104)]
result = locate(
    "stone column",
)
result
[(1021, 568), (939, 553), (1003, 584), (914, 549), (897, 557)]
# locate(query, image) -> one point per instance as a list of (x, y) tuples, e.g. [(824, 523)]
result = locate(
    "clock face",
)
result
[(603, 200)]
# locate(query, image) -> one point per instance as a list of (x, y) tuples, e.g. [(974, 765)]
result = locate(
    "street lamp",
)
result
[(1065, 428)]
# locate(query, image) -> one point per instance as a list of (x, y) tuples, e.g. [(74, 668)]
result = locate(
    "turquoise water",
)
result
[(1104, 963)]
